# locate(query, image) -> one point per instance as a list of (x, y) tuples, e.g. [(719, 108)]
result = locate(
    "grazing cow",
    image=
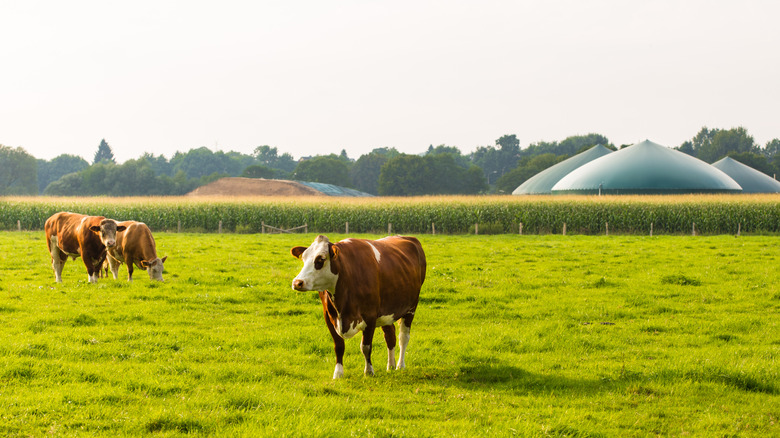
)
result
[(364, 284), (135, 246), (76, 235)]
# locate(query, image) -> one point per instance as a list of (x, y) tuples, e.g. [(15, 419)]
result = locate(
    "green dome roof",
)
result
[(646, 168), (751, 180), (543, 182)]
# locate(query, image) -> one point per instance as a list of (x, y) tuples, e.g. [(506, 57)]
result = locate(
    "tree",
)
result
[(754, 160), (49, 171), (202, 162), (365, 172), (326, 170), (462, 160), (496, 161), (18, 172), (772, 153), (410, 175), (711, 145), (404, 175), (104, 153), (571, 145), (259, 171), (270, 157), (528, 167), (725, 142)]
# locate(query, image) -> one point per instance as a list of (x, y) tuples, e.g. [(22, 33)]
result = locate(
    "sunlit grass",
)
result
[(514, 335)]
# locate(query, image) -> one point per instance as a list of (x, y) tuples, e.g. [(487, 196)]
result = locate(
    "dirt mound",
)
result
[(236, 186)]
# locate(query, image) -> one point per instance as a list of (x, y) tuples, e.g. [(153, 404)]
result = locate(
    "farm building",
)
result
[(236, 186), (646, 168), (751, 180), (543, 182)]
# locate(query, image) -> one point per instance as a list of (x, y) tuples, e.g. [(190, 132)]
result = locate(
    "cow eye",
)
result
[(319, 262)]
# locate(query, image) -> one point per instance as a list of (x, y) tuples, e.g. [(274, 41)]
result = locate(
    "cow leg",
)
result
[(114, 264), (390, 341), (405, 327), (92, 271), (365, 347), (57, 259), (338, 341), (129, 269), (338, 347)]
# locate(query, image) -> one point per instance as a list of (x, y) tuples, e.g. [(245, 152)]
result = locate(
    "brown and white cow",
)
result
[(364, 284), (135, 246), (77, 235)]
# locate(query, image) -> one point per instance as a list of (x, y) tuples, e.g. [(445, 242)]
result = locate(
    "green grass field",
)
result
[(567, 336)]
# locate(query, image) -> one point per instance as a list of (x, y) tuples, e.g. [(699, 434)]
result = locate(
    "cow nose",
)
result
[(297, 284), (110, 243)]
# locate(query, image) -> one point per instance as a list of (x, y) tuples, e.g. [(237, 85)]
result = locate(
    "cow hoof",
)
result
[(369, 371), (338, 372)]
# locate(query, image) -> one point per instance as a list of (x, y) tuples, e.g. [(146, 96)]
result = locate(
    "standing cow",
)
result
[(135, 246), (76, 235), (364, 284)]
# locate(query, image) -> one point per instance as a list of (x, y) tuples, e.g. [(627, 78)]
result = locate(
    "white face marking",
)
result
[(376, 252), (316, 274), (156, 270)]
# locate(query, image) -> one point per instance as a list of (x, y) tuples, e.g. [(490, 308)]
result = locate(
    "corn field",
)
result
[(683, 214)]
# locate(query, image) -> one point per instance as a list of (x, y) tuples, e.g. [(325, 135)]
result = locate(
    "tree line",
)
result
[(442, 169)]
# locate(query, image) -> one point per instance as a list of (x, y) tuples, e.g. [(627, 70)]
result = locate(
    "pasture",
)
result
[(567, 336)]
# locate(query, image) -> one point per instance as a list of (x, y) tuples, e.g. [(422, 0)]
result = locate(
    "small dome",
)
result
[(543, 182), (646, 168), (751, 180)]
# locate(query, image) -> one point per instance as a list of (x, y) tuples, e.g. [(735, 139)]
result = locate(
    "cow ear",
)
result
[(95, 228), (121, 228), (164, 259), (297, 251), (333, 250)]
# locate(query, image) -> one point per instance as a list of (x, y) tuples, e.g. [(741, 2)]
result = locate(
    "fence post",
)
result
[(521, 228), (564, 228), (346, 228), (262, 227), (220, 227), (607, 226), (693, 229), (19, 225), (389, 228), (433, 228), (178, 227), (476, 228), (739, 228), (651, 229), (306, 228)]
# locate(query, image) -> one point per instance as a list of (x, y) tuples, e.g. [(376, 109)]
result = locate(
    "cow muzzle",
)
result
[(110, 243), (297, 284)]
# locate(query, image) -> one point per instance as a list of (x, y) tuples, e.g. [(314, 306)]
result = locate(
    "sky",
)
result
[(313, 77)]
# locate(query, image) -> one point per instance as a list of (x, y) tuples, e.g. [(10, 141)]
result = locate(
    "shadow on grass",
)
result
[(520, 381)]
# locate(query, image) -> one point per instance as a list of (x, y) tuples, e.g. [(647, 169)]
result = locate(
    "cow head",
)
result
[(317, 273), (155, 268), (107, 231)]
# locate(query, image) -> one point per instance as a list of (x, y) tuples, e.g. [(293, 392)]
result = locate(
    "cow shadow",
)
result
[(516, 380)]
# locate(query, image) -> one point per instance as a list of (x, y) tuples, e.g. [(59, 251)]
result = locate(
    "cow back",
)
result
[(387, 273)]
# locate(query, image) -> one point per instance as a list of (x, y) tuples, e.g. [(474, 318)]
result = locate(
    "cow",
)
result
[(135, 246), (364, 284), (77, 235)]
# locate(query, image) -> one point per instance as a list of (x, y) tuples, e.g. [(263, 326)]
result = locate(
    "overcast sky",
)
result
[(316, 77)]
